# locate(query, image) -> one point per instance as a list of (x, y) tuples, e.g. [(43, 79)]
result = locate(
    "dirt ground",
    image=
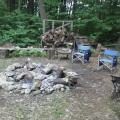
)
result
[(90, 100)]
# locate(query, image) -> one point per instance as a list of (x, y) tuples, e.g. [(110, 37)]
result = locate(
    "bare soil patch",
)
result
[(90, 100)]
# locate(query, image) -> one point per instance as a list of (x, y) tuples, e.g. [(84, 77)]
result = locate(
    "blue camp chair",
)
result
[(81, 53), (108, 59)]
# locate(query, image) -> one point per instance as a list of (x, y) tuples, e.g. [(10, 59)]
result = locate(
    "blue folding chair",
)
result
[(81, 53), (108, 59)]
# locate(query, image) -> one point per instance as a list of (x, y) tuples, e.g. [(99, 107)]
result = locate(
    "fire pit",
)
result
[(36, 78)]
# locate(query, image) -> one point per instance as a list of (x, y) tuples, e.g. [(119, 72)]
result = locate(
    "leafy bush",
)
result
[(28, 53), (99, 20), (92, 27), (20, 29)]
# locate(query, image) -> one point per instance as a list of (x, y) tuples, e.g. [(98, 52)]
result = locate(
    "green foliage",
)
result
[(20, 29), (52, 2), (97, 19), (3, 8), (100, 21), (27, 53)]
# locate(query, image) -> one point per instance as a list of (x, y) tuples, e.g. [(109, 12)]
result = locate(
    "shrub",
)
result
[(28, 53), (20, 29)]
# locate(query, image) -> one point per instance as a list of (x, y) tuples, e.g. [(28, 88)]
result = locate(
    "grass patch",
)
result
[(4, 63), (115, 106), (59, 106), (27, 53)]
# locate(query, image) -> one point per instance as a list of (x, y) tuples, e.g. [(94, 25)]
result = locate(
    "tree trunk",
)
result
[(30, 6), (42, 9), (19, 5)]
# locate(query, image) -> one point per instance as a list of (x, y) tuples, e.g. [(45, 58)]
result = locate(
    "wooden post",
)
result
[(63, 23), (19, 5), (53, 24), (43, 26), (43, 30), (71, 27)]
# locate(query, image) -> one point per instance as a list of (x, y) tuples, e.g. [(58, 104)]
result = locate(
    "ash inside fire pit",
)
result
[(36, 78)]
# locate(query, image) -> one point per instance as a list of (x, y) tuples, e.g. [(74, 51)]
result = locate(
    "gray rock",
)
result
[(13, 67), (20, 76), (70, 73), (19, 87), (29, 65), (28, 76), (52, 66), (67, 88), (10, 74), (25, 86), (27, 91), (39, 77), (36, 92), (62, 89), (73, 80), (11, 87), (22, 91), (17, 65), (33, 73), (49, 90), (47, 70), (36, 85), (63, 81), (58, 86), (10, 68), (25, 75), (66, 79), (19, 71), (10, 79), (51, 78), (38, 65)]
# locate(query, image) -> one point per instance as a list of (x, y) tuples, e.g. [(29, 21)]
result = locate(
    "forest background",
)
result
[(21, 20)]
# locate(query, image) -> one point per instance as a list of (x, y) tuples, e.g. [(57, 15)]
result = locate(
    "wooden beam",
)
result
[(71, 27), (63, 23), (44, 26), (56, 28), (58, 20), (53, 24), (43, 32)]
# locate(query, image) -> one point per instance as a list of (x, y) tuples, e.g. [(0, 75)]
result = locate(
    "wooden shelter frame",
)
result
[(64, 23)]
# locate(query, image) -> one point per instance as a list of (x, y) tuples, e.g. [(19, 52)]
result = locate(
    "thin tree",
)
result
[(42, 9)]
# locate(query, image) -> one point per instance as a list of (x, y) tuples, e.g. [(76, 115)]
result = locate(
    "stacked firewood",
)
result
[(57, 37)]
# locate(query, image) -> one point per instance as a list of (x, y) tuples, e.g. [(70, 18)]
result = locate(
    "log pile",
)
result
[(57, 37), (36, 78)]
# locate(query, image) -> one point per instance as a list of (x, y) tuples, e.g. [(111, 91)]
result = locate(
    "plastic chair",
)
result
[(81, 53), (108, 59)]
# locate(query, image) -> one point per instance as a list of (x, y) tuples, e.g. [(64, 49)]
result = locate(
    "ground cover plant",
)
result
[(27, 53)]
